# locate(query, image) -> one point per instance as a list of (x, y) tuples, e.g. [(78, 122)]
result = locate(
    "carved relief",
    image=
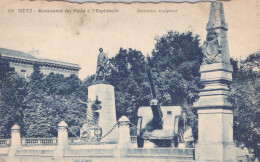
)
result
[(91, 131), (211, 49)]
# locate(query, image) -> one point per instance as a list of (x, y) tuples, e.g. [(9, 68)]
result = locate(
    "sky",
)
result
[(75, 37)]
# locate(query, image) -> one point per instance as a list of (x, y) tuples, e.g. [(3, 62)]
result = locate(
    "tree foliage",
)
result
[(51, 99), (11, 96), (175, 68), (127, 75), (245, 99), (176, 60)]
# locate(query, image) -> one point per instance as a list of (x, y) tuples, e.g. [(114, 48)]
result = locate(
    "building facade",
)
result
[(23, 64)]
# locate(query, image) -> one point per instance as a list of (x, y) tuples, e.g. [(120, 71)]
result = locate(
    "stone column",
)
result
[(15, 140), (107, 115), (62, 139), (124, 140), (215, 115)]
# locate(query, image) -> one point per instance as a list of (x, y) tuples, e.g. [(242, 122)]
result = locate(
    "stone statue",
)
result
[(92, 111), (211, 49), (101, 71), (91, 131)]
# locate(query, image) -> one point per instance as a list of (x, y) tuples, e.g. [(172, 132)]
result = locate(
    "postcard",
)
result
[(81, 38)]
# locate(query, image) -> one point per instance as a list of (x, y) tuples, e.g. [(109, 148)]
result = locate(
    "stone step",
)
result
[(87, 152), (88, 159), (162, 151), (34, 152), (135, 153)]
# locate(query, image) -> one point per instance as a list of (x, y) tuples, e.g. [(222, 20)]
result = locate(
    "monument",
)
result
[(105, 92), (215, 116), (91, 131)]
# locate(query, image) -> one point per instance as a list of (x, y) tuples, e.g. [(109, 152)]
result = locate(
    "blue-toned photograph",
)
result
[(123, 82)]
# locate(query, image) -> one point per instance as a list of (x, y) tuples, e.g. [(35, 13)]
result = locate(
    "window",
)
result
[(23, 73), (169, 113)]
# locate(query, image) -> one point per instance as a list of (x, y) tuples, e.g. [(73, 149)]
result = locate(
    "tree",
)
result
[(175, 63), (37, 118), (51, 99), (11, 96), (176, 60), (127, 75), (64, 101), (245, 99)]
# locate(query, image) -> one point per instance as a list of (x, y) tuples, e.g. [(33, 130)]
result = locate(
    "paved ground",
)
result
[(39, 159)]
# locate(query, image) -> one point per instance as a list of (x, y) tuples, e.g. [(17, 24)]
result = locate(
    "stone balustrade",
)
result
[(51, 141), (39, 141), (133, 139), (59, 148), (5, 142)]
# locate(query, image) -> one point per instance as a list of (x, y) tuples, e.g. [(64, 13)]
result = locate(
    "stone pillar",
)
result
[(62, 139), (107, 116), (215, 115), (124, 140), (15, 140)]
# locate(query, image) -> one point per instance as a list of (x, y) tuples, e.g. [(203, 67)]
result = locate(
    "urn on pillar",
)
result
[(215, 115)]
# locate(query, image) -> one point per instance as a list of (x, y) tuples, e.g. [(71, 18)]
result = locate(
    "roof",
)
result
[(18, 55), (15, 53)]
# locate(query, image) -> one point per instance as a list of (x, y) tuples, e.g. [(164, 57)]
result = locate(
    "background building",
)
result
[(23, 63)]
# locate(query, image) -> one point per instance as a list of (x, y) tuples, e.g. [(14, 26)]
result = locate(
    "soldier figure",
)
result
[(101, 65)]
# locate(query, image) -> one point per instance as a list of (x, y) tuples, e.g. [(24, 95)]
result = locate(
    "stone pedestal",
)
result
[(107, 116), (62, 134), (62, 139), (215, 135), (15, 140), (124, 140), (215, 117)]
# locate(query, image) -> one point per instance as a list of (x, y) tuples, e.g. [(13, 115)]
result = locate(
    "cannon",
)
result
[(158, 124)]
